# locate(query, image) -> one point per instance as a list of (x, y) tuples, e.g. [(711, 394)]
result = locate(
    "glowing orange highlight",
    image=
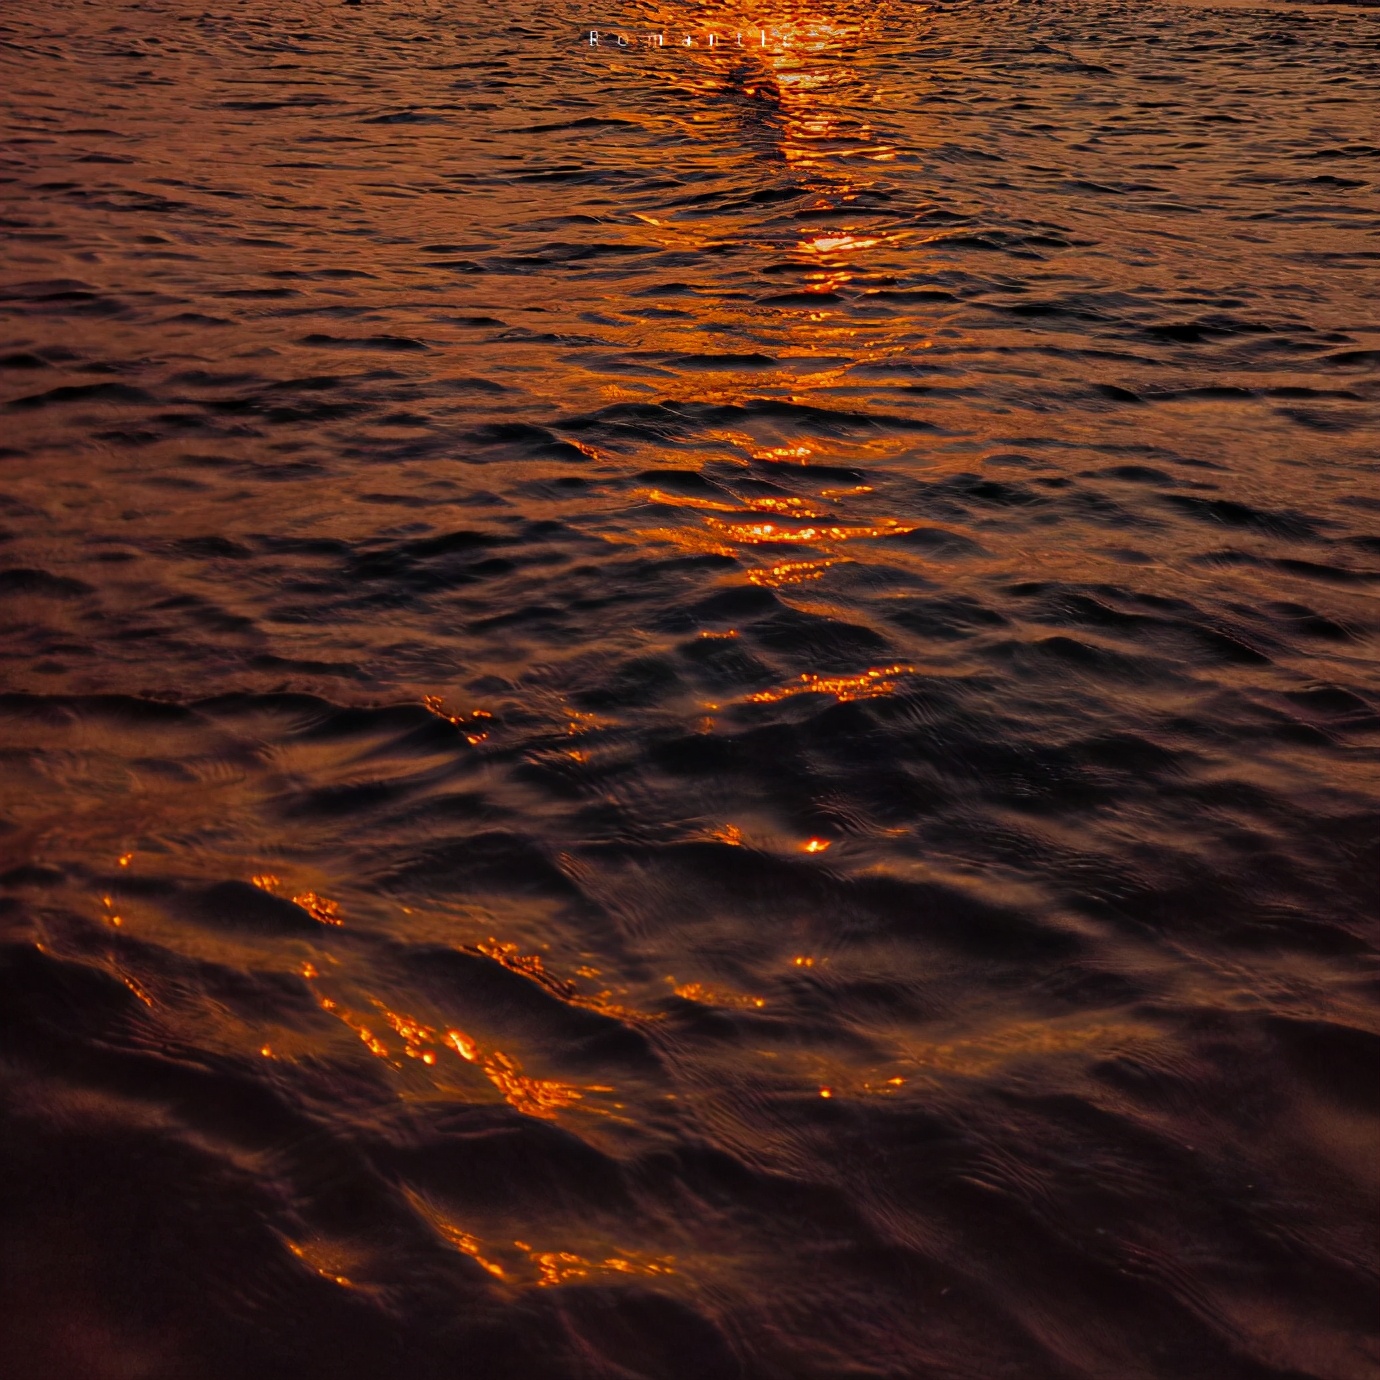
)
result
[(880, 680), (789, 573), (714, 996), (320, 908)]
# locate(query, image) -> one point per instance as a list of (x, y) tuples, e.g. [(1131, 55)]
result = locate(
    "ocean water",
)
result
[(680, 712)]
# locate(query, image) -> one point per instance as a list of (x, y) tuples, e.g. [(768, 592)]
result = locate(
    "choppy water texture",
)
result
[(689, 714)]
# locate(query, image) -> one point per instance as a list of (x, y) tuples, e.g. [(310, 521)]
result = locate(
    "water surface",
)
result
[(689, 713)]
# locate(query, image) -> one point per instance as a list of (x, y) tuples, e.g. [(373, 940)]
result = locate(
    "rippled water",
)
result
[(683, 713)]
